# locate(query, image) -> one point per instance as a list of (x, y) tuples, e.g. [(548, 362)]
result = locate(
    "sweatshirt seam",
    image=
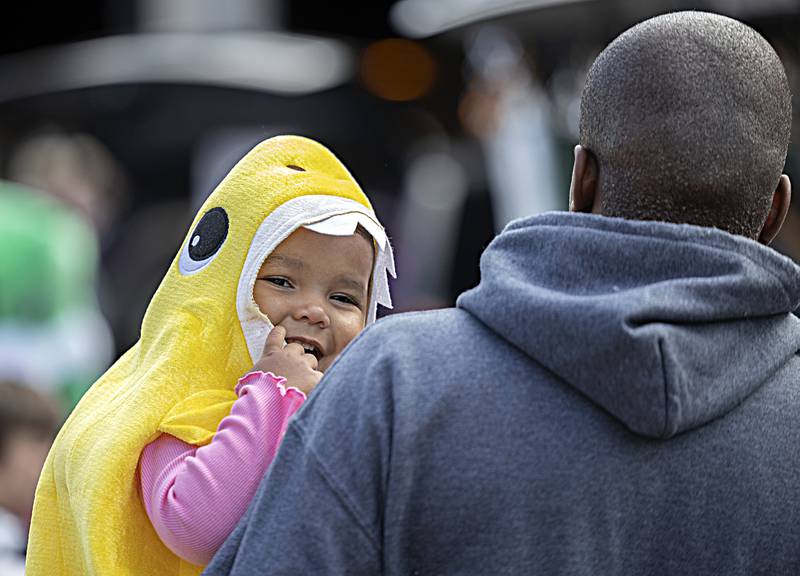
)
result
[(337, 490)]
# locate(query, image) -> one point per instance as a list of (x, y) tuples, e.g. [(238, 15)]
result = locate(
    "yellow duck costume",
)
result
[(200, 334)]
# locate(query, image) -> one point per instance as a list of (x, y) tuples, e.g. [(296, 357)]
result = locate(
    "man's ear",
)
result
[(778, 211), (583, 190)]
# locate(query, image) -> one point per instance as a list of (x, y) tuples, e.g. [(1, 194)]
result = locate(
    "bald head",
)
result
[(688, 117)]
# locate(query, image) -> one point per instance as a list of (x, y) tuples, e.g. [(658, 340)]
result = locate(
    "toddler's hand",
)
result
[(290, 361)]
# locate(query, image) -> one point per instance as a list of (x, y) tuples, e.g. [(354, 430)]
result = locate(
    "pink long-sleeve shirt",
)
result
[(194, 496)]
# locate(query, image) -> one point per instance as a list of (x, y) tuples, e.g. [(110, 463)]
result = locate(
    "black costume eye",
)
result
[(209, 234), (205, 241)]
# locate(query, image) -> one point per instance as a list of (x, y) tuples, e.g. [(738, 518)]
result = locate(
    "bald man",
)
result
[(619, 395)]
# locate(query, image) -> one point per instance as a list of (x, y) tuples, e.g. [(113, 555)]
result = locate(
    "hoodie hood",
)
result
[(665, 326)]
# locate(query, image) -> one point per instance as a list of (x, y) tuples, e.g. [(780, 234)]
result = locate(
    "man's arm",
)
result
[(319, 508)]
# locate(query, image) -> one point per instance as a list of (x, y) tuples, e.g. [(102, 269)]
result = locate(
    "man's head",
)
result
[(686, 118)]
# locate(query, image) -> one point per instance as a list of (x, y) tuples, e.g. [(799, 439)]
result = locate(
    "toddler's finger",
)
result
[(295, 348), (275, 340), (312, 361)]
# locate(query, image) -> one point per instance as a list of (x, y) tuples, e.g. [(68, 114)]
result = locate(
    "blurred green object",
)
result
[(52, 335), (48, 256)]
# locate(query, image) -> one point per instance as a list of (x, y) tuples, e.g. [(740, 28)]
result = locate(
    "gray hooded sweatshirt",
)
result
[(615, 397)]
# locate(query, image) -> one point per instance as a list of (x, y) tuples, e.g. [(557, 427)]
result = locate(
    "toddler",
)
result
[(161, 457)]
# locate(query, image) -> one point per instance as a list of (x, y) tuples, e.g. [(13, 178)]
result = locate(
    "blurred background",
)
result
[(118, 117)]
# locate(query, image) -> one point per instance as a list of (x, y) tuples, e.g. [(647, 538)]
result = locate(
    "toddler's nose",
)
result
[(312, 313)]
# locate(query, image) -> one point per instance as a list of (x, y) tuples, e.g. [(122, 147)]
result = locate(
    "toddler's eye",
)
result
[(345, 299), (278, 281)]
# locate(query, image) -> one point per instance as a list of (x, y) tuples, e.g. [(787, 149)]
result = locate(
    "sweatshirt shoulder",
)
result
[(427, 324), (407, 333), (410, 340), (400, 345)]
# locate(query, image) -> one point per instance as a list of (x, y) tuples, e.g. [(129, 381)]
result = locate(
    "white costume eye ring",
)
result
[(205, 241)]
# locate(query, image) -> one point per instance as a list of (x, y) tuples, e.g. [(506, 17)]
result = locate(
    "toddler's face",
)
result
[(316, 286)]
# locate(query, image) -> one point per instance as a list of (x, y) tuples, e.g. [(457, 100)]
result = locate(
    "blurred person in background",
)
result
[(52, 334), (75, 168), (81, 173), (509, 112), (619, 393), (28, 423)]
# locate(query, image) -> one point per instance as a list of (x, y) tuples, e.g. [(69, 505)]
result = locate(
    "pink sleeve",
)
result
[(195, 496)]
